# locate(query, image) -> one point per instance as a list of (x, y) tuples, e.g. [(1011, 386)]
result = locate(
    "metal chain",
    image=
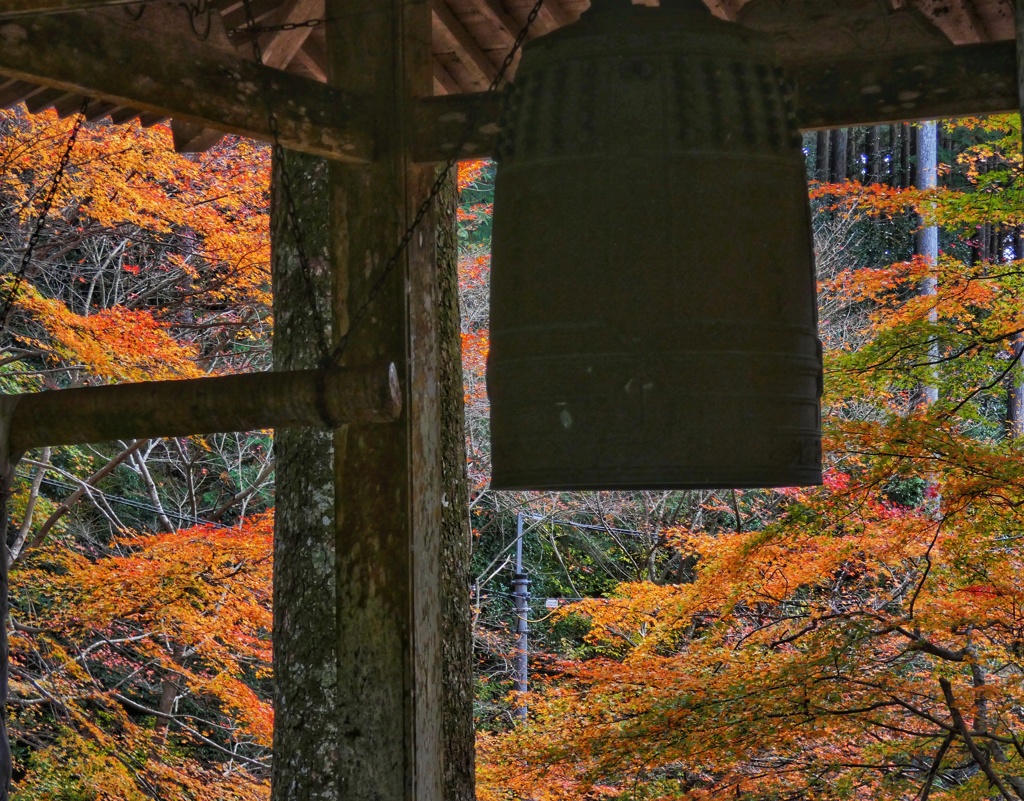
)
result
[(44, 212), (289, 198), (284, 26), (435, 190)]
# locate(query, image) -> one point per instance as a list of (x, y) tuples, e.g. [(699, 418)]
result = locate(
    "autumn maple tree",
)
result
[(141, 571)]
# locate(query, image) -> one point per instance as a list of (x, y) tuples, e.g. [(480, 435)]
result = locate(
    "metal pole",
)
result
[(521, 593)]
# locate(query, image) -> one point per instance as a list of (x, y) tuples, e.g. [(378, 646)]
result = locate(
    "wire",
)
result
[(127, 502)]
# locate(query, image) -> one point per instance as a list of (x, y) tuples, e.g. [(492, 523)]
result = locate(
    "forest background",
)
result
[(858, 641)]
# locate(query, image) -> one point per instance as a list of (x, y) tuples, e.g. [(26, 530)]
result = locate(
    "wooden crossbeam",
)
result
[(321, 398), (856, 90), (933, 84), (184, 78), (19, 8)]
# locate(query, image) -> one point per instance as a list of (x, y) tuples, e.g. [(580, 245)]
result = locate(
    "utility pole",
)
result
[(521, 593)]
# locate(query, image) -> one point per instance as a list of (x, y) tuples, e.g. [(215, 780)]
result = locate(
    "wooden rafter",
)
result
[(723, 9), (444, 83), (503, 22), (280, 48), (476, 62), (553, 15), (183, 78)]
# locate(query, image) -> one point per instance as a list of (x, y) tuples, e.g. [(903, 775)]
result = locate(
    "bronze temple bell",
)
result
[(653, 319)]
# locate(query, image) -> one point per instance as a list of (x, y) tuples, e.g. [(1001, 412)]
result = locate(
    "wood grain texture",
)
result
[(388, 485), (204, 406), (92, 55), (854, 90)]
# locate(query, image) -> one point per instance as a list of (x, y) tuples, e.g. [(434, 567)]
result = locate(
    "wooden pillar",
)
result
[(387, 481)]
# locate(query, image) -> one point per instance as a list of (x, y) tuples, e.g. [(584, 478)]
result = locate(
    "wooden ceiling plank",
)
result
[(721, 9), (15, 91), (44, 99), (280, 48), (148, 119), (862, 89), (191, 138), (67, 105), (503, 22), (554, 15), (444, 80), (310, 64), (122, 115), (465, 46), (185, 79), (97, 110)]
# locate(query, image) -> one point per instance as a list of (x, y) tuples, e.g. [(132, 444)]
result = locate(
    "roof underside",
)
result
[(471, 38)]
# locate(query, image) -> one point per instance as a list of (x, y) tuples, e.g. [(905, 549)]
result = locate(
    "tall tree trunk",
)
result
[(458, 643), (875, 154), (821, 170), (906, 154), (305, 653), (839, 146)]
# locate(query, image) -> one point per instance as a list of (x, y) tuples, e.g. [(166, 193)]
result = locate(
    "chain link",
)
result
[(284, 26), (44, 212), (289, 198), (435, 190)]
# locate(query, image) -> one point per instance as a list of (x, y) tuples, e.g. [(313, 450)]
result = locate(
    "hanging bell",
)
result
[(653, 319)]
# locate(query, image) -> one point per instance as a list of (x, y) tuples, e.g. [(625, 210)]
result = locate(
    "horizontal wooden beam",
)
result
[(931, 84), (19, 8), (320, 398), (119, 62), (855, 90), (441, 124)]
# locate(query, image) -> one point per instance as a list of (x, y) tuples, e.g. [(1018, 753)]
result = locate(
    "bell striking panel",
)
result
[(653, 299)]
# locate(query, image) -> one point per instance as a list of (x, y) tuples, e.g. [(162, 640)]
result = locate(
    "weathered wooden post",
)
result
[(388, 483)]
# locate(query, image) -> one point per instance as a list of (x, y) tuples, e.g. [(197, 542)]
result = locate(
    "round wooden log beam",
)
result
[(320, 398)]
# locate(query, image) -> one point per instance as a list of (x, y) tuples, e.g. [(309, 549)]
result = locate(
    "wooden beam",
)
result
[(503, 22), (722, 9), (326, 399), (480, 68), (443, 80), (389, 498), (182, 78), (553, 15), (872, 89), (22, 8), (440, 124), (859, 90), (280, 48)]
